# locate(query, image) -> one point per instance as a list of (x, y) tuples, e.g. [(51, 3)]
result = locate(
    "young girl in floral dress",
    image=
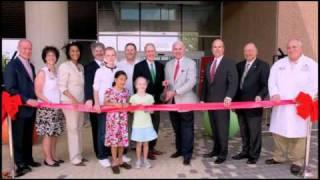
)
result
[(117, 122)]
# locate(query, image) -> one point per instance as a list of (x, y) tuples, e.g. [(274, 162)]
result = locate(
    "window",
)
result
[(150, 14), (196, 23), (203, 18), (117, 17), (130, 14), (9, 46)]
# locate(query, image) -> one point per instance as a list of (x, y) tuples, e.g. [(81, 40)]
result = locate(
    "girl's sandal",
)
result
[(125, 165), (115, 169)]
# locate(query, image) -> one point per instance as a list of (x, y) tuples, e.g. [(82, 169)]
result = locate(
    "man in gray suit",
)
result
[(180, 75)]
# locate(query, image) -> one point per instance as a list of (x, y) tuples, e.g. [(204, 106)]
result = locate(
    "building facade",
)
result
[(197, 23)]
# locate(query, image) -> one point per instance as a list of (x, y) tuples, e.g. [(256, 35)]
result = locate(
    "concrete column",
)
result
[(299, 19), (46, 24)]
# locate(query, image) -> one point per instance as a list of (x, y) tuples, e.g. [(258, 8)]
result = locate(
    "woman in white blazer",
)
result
[(71, 86)]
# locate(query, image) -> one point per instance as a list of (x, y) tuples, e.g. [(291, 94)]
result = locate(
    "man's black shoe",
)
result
[(219, 160), (240, 156), (295, 169), (209, 155), (175, 155), (252, 161), (34, 164), (272, 161), (186, 162)]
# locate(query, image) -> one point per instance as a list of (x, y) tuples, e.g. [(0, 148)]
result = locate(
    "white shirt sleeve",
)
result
[(96, 81)]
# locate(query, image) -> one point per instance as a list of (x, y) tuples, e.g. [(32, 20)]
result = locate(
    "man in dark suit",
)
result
[(153, 71), (220, 85), (253, 86), (97, 124), (19, 79)]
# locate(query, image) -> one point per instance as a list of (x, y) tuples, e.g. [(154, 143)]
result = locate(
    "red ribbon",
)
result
[(306, 107), (170, 107), (10, 105)]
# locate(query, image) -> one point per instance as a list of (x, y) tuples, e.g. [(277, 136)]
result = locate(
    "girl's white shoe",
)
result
[(126, 159), (138, 164), (147, 164)]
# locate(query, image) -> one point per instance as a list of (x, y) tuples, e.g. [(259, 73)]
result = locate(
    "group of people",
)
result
[(104, 81)]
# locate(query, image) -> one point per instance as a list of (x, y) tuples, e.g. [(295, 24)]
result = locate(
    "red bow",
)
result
[(306, 107), (10, 105)]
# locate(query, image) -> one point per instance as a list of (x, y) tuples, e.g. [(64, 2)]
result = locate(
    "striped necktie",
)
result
[(213, 70), (176, 70), (244, 75), (153, 73)]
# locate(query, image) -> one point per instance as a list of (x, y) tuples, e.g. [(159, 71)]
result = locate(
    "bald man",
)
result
[(288, 77), (220, 85), (180, 75), (19, 79), (253, 77)]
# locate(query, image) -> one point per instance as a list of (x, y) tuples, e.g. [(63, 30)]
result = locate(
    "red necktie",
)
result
[(213, 70), (176, 70)]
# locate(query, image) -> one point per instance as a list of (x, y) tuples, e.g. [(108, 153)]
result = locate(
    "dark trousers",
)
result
[(102, 151), (219, 121), (250, 129), (22, 135), (155, 116), (94, 127), (183, 126)]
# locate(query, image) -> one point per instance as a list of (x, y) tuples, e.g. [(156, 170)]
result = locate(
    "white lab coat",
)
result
[(288, 80)]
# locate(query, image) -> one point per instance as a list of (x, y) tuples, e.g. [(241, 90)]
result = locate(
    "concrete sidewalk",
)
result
[(164, 166)]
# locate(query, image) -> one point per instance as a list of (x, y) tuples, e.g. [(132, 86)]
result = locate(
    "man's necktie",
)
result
[(176, 70), (244, 74), (213, 70), (29, 70), (153, 73)]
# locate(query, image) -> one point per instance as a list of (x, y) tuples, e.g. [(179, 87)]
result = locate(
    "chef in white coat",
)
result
[(288, 77)]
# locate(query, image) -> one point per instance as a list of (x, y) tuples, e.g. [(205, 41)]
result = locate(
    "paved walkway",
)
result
[(165, 167)]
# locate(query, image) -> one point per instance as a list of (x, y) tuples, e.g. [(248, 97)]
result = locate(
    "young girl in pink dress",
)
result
[(117, 122)]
